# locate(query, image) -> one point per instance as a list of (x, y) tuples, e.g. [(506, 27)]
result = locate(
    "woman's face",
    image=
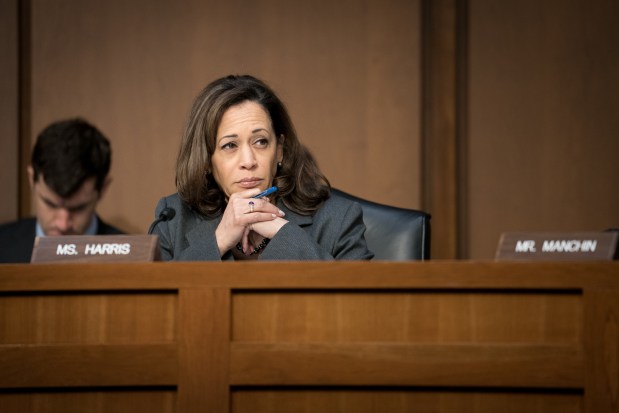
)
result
[(246, 149)]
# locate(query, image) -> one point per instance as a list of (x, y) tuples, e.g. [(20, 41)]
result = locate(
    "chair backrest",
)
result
[(394, 234)]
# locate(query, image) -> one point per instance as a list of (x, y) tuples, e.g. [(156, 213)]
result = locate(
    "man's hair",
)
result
[(301, 185), (69, 152)]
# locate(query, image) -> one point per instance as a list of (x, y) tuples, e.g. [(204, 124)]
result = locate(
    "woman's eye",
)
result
[(262, 142), (229, 145)]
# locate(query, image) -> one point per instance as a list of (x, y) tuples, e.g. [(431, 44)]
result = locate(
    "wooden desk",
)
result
[(310, 337)]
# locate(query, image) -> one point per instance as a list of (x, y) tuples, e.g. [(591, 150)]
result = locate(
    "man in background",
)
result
[(68, 177)]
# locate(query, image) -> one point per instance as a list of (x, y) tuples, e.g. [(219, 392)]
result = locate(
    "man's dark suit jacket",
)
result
[(17, 239)]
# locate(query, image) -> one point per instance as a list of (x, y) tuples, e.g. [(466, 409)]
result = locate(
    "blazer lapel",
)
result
[(293, 217), (200, 239)]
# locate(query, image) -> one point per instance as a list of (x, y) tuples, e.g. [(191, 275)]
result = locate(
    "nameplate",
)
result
[(96, 248), (547, 246)]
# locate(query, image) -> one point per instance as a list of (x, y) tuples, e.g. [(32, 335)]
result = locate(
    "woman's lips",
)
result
[(250, 182)]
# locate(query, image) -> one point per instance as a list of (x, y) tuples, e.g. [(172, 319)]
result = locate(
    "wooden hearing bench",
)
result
[(439, 336)]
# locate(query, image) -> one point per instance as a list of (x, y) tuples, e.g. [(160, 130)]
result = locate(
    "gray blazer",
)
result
[(334, 232)]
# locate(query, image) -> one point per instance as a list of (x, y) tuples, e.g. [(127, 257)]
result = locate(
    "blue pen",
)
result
[(266, 192)]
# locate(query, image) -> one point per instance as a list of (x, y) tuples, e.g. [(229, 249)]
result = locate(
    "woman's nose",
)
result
[(248, 158)]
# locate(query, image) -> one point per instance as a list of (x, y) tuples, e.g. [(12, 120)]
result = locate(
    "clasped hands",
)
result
[(246, 224)]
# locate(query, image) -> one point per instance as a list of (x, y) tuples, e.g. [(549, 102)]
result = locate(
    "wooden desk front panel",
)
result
[(85, 352), (411, 350), (329, 337), (380, 400), (413, 316), (88, 318)]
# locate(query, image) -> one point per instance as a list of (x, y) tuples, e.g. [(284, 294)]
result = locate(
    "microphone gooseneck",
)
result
[(166, 214)]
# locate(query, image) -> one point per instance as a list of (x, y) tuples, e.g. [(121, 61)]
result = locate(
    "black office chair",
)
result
[(394, 234)]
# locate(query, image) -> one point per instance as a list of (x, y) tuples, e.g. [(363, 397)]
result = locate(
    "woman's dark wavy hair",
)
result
[(301, 185)]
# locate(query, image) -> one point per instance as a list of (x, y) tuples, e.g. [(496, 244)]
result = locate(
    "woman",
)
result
[(239, 141)]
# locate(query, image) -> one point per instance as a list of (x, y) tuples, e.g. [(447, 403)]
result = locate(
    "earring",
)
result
[(279, 164)]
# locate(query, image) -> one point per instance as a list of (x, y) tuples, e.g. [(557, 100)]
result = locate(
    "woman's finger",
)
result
[(245, 241)]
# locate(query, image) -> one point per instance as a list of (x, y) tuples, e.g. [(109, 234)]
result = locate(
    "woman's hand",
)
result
[(243, 214), (268, 229)]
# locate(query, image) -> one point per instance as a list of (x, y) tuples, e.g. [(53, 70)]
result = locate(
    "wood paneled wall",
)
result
[(349, 72), (9, 103), (543, 126), (492, 116)]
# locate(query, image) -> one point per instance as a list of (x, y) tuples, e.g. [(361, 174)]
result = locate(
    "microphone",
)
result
[(166, 214)]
